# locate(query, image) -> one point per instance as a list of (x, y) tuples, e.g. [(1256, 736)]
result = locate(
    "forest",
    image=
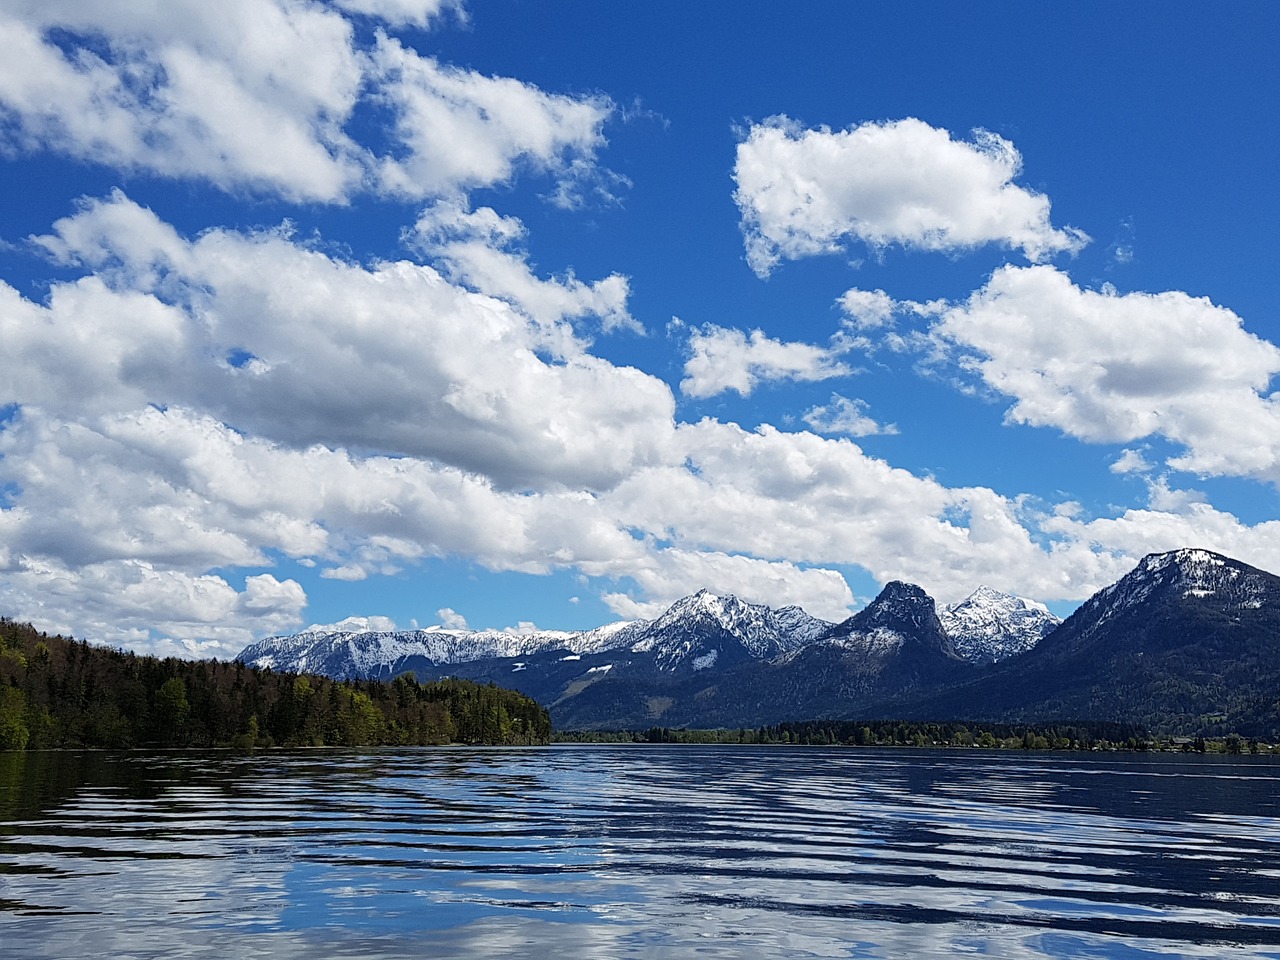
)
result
[(1089, 736), (64, 693)]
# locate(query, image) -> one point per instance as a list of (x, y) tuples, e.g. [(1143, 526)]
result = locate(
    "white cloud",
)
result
[(809, 192), (392, 359), (1174, 519), (136, 604), (1132, 461), (765, 515), (120, 517), (1166, 499), (451, 619), (124, 519), (727, 359), (1106, 367), (460, 129), (195, 404), (418, 13), (522, 628), (155, 488), (582, 183), (355, 625), (478, 249), (668, 574), (259, 95), (249, 93), (846, 416), (348, 572), (867, 309), (799, 498)]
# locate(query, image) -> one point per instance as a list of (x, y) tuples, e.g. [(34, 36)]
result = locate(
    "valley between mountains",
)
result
[(1186, 643)]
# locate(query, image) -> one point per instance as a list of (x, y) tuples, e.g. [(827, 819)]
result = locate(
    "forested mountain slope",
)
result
[(1187, 642), (56, 692)]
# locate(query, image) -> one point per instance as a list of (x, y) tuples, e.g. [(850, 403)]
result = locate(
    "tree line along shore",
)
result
[(64, 693), (1080, 736)]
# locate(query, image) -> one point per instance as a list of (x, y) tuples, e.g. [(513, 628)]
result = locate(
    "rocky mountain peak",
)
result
[(903, 616), (703, 605), (989, 626), (1165, 588), (899, 604), (985, 594), (1187, 573), (1189, 621), (705, 628)]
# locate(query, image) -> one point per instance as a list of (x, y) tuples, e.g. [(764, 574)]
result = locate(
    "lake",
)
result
[(638, 851)]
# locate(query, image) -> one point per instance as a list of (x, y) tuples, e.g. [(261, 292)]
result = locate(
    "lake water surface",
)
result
[(638, 851)]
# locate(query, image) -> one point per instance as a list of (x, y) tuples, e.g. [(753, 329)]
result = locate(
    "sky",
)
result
[(501, 315)]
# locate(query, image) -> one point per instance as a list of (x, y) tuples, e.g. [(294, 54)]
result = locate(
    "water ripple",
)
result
[(638, 852)]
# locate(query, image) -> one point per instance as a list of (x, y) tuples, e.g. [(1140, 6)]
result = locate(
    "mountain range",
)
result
[(1189, 641), (1186, 641)]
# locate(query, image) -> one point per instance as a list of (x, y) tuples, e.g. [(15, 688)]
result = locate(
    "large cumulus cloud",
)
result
[(1109, 367), (262, 96), (804, 192)]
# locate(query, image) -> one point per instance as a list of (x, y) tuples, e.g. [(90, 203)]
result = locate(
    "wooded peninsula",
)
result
[(62, 693)]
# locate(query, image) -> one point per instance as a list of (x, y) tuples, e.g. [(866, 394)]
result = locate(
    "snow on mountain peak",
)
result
[(1188, 573), (703, 605), (702, 630), (988, 625), (695, 625), (1198, 573), (691, 630)]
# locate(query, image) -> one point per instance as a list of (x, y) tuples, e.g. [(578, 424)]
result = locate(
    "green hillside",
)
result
[(60, 693)]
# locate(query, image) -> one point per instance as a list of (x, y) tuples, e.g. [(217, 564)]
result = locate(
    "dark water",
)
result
[(572, 852)]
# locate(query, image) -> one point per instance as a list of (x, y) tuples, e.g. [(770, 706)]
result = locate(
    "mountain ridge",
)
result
[(705, 659), (1186, 640), (761, 631), (1187, 636)]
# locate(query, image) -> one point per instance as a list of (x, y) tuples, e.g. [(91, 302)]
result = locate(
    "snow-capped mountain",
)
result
[(697, 632), (703, 630), (989, 626), (1184, 637), (370, 654), (1165, 586), (893, 648), (903, 617), (1192, 574), (763, 674)]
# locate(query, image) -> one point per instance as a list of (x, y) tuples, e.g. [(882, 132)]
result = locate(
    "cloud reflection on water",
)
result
[(639, 851)]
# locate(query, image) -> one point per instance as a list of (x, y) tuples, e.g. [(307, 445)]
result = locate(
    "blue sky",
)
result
[(503, 313)]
